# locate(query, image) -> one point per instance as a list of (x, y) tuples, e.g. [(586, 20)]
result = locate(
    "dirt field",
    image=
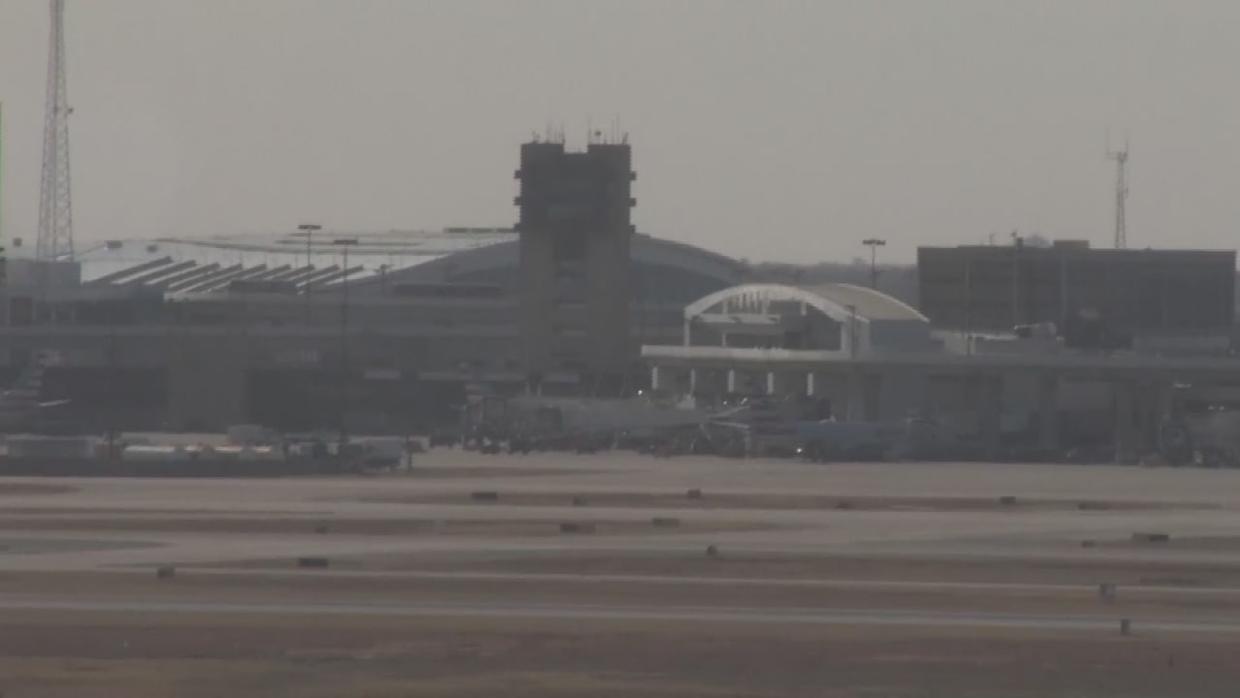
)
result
[(927, 582), (281, 656)]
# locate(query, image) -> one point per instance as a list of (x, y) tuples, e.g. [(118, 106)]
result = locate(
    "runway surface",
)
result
[(611, 554)]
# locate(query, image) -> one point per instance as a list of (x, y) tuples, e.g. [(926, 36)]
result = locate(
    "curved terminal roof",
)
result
[(837, 301), (196, 265), (870, 304), (392, 249)]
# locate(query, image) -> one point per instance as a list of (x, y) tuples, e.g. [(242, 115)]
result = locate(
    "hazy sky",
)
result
[(769, 130)]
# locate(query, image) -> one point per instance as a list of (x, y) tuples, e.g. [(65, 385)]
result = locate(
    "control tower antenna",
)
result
[(1121, 193), (55, 207)]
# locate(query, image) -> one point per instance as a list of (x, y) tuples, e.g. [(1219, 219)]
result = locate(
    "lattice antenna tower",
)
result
[(55, 205), (1120, 157)]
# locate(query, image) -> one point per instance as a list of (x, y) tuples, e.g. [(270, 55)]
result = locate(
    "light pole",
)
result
[(874, 244), (113, 381), (968, 307), (308, 229), (852, 331), (344, 244)]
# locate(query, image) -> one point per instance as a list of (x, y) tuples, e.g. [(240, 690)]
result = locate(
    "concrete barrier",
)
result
[(1151, 538), (572, 527), (693, 494), (665, 522), (484, 496), (712, 551), (312, 562), (165, 572), (1007, 500)]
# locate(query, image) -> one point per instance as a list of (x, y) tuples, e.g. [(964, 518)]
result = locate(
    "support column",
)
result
[(655, 378), (693, 381), (731, 380), (829, 391), (771, 381), (818, 395)]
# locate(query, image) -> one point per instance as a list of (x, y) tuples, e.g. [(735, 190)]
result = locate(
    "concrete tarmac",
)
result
[(908, 550)]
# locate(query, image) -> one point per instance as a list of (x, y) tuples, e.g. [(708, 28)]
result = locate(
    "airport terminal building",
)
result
[(1130, 294), (205, 333), (860, 355), (389, 331), (375, 332)]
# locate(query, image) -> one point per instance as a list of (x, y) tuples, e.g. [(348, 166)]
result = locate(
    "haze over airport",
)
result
[(766, 131)]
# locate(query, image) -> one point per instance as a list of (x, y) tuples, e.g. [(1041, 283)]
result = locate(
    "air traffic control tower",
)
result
[(575, 232)]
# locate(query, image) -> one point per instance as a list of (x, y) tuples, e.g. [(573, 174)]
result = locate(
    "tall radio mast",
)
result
[(1121, 193), (55, 207)]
